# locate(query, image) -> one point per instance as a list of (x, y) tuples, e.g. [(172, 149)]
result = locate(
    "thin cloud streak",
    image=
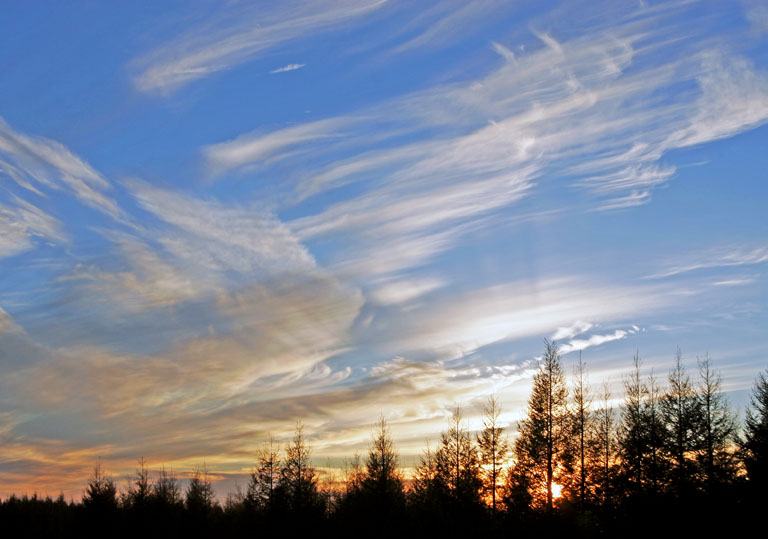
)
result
[(49, 164), (289, 67), (239, 38)]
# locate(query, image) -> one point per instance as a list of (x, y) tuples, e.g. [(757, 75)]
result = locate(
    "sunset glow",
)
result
[(220, 219)]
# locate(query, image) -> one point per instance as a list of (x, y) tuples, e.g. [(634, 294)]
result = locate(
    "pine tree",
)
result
[(632, 435), (265, 478), (425, 484), (139, 490), (458, 466), (717, 430), (493, 448), (298, 481), (679, 411), (166, 491), (754, 444), (200, 498), (101, 493), (583, 445), (540, 448), (606, 440), (657, 469), (383, 479)]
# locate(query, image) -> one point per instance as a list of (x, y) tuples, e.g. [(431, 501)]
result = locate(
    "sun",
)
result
[(557, 491)]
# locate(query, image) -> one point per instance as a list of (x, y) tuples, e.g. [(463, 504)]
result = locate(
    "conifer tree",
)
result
[(606, 436), (100, 493), (717, 430), (166, 492), (493, 449), (632, 430), (265, 477), (426, 485), (457, 462), (139, 490), (383, 479), (540, 448), (754, 444), (582, 444), (679, 409), (200, 498), (298, 481)]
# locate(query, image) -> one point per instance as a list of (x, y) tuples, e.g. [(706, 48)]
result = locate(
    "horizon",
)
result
[(215, 222)]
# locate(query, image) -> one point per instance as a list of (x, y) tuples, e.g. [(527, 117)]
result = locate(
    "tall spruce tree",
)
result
[(540, 448), (754, 444), (717, 430), (493, 447), (298, 481), (457, 463), (383, 479), (200, 498), (265, 477), (680, 414), (633, 431), (606, 445), (583, 443)]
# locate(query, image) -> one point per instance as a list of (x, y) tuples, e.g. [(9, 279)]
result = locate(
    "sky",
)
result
[(220, 218)]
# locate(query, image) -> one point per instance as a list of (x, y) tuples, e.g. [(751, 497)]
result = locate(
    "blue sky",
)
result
[(216, 219)]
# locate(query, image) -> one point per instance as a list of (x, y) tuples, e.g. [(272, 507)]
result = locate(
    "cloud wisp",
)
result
[(235, 38)]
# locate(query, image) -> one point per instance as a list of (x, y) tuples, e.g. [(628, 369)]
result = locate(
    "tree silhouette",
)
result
[(200, 497), (583, 444), (166, 491), (717, 429), (641, 437), (493, 448), (264, 480), (540, 448), (679, 409), (139, 491), (754, 444), (457, 462), (606, 440), (383, 479), (298, 481), (100, 493)]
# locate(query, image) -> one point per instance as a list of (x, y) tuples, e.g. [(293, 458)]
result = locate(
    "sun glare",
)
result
[(557, 490)]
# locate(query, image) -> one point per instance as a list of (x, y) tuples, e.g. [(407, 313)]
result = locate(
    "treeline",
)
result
[(670, 459)]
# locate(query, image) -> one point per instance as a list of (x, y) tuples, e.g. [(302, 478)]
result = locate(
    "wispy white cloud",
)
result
[(403, 291), (444, 22), (266, 148), (583, 112), (568, 332), (457, 325), (717, 258), (208, 233), (289, 67), (735, 282), (757, 14), (20, 225), (576, 345), (51, 165), (238, 37)]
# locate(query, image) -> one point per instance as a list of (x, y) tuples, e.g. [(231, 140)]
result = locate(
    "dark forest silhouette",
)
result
[(671, 459)]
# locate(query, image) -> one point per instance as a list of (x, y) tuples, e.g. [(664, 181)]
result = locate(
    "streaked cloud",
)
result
[(289, 67), (237, 37), (22, 224), (568, 332), (49, 164), (717, 258), (406, 290), (577, 345)]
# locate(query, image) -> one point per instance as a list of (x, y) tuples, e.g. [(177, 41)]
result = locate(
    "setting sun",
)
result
[(557, 491)]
